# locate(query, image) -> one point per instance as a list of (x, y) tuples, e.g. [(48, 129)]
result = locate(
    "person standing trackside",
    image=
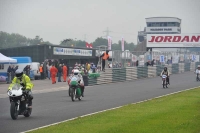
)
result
[(41, 71), (48, 70), (9, 74), (12, 72), (105, 56), (64, 73), (59, 73), (53, 72)]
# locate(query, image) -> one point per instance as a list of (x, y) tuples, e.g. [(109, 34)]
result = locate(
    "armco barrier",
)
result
[(192, 66), (187, 67), (133, 73), (151, 71), (118, 75), (175, 68)]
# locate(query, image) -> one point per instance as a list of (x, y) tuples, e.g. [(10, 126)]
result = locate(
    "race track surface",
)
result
[(50, 107)]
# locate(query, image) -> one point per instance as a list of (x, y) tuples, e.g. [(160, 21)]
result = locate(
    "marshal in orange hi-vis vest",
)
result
[(41, 70), (105, 56)]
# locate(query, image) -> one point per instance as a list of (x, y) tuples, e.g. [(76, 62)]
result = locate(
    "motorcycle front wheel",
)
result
[(73, 94), (164, 83), (13, 110)]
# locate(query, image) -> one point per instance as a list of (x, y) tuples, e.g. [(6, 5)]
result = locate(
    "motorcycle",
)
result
[(164, 81), (18, 102), (197, 77), (74, 89)]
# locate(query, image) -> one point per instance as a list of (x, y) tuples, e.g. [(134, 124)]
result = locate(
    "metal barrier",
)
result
[(132, 73)]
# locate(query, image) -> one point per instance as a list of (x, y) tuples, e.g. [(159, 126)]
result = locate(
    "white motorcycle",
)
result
[(164, 81), (18, 102)]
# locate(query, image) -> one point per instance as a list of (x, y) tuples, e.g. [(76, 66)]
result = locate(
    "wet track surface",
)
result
[(53, 103)]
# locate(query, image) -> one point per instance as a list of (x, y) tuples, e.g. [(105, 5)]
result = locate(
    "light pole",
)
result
[(75, 42)]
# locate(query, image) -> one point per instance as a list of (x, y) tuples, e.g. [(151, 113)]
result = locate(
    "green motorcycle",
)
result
[(74, 89)]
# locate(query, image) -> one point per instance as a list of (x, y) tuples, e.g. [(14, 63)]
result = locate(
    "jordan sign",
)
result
[(173, 40)]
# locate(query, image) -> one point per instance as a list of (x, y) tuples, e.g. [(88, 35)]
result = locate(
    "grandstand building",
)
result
[(159, 25)]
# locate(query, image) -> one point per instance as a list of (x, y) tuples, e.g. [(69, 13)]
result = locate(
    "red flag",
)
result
[(87, 45), (91, 46)]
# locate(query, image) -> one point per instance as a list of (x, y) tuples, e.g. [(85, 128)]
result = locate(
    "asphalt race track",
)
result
[(51, 107)]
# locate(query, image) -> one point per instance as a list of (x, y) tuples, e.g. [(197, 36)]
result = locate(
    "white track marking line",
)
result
[(107, 110)]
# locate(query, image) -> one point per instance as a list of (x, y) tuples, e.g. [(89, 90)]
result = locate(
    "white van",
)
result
[(35, 67)]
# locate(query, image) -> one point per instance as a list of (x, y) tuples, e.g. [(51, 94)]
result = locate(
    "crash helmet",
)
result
[(76, 72), (19, 73)]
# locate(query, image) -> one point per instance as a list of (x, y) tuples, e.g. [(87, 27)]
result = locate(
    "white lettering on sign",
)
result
[(173, 40)]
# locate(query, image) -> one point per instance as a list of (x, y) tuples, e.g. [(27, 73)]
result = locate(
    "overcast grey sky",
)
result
[(55, 20)]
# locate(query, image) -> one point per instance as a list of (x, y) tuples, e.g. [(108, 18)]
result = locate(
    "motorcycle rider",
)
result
[(80, 81), (25, 81), (165, 72), (197, 71)]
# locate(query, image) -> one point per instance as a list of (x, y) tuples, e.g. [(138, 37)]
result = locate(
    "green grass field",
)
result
[(178, 113)]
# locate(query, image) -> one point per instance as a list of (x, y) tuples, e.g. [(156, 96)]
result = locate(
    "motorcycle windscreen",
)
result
[(16, 86), (73, 81), (164, 76)]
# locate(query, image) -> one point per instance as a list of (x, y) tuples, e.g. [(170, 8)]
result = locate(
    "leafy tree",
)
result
[(100, 41), (115, 46), (73, 43)]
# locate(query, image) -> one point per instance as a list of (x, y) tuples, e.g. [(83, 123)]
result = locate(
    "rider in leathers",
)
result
[(165, 72), (76, 72)]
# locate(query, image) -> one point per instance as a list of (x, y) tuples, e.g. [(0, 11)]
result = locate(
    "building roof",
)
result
[(163, 17), (63, 46)]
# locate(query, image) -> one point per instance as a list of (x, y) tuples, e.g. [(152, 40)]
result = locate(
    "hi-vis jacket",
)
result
[(25, 79), (105, 56)]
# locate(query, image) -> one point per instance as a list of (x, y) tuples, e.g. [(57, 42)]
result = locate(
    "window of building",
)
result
[(148, 24), (1, 66)]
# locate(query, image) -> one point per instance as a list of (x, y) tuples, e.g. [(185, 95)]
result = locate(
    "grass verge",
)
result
[(178, 113)]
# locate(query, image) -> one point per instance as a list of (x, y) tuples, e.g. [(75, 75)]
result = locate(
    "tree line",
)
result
[(98, 42), (14, 40)]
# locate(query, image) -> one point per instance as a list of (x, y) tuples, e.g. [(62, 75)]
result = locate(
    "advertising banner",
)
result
[(134, 58), (141, 60), (175, 59), (197, 58), (163, 29), (173, 40), (162, 58), (181, 57), (71, 51)]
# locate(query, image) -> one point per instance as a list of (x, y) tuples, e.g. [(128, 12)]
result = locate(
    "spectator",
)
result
[(41, 71), (87, 67), (12, 72), (9, 74), (152, 62), (53, 72), (48, 70), (64, 73), (59, 73), (16, 68), (137, 63)]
